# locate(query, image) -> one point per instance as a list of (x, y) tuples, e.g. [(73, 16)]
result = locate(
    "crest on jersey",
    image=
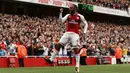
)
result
[(69, 16), (77, 18)]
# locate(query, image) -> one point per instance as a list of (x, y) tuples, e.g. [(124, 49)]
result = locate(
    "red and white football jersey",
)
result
[(74, 22)]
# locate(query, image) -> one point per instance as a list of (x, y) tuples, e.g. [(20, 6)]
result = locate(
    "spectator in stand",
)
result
[(46, 49), (2, 52), (12, 49), (30, 50), (111, 49), (118, 4), (36, 49)]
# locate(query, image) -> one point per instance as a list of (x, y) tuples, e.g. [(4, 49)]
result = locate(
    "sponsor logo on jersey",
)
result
[(73, 22)]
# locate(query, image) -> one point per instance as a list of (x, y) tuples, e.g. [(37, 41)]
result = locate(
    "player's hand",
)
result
[(61, 10)]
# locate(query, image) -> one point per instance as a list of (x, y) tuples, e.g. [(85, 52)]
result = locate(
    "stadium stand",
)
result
[(115, 4), (34, 32)]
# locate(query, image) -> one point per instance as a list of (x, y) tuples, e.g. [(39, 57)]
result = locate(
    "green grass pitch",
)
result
[(83, 69)]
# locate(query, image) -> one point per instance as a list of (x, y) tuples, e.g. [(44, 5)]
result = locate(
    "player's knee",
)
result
[(58, 46)]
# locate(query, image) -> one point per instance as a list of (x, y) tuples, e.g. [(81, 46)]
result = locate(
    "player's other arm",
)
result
[(62, 19), (85, 23)]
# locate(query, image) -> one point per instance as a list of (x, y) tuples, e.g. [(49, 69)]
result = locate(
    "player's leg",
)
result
[(77, 56), (76, 47), (64, 39), (55, 51)]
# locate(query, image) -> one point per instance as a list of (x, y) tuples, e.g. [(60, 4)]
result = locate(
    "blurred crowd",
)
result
[(103, 38), (36, 34), (116, 4), (39, 35)]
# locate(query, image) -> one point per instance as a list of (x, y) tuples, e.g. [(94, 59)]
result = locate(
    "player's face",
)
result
[(72, 9)]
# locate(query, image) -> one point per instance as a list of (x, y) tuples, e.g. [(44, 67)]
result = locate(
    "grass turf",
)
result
[(83, 69)]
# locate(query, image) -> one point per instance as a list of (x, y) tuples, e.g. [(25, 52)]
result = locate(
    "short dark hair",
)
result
[(84, 46), (75, 6), (21, 43)]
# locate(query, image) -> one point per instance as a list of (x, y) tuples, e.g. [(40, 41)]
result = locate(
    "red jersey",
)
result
[(73, 24)]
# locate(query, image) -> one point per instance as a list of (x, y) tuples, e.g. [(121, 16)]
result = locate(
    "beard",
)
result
[(72, 12)]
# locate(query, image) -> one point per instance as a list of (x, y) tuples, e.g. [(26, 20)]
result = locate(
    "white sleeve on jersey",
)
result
[(84, 22), (64, 18)]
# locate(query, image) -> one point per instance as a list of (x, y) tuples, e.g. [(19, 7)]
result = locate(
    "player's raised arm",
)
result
[(63, 19), (85, 23)]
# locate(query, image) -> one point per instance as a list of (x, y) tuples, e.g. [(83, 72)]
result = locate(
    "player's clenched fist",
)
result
[(61, 9)]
